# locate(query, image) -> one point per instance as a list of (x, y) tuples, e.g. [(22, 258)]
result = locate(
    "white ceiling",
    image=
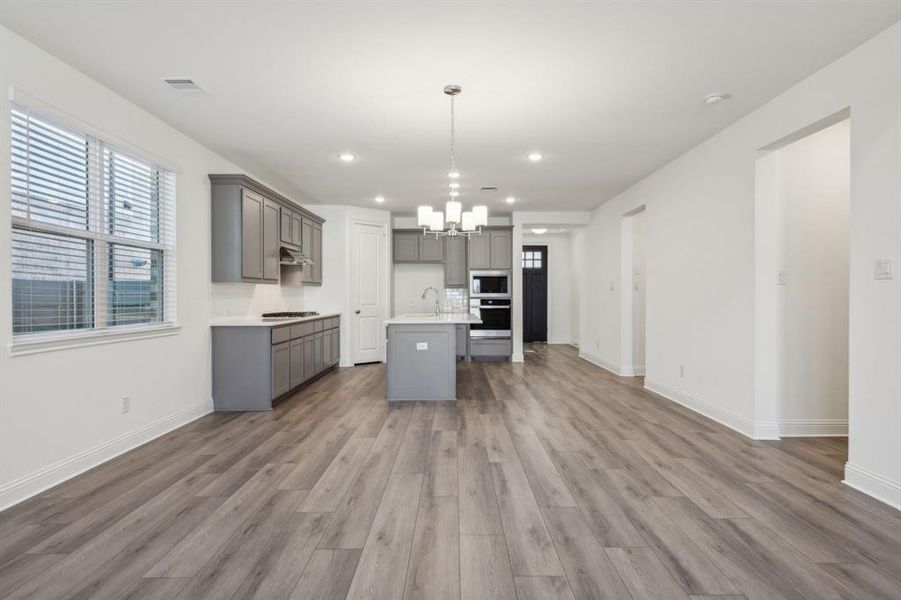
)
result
[(608, 91)]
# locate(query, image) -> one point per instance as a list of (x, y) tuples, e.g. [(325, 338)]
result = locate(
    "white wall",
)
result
[(700, 260), (814, 320), (560, 283), (637, 282), (409, 282), (60, 412)]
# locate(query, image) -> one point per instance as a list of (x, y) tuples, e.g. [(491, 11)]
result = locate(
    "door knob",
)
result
[(356, 312)]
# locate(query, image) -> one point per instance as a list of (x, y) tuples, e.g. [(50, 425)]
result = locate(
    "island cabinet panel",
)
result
[(254, 365), (422, 362), (480, 251), (281, 369), (406, 246), (431, 249), (455, 262)]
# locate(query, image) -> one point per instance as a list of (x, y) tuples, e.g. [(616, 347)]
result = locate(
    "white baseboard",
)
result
[(638, 370), (627, 371), (600, 362), (813, 427), (518, 357), (34, 483), (741, 424), (873, 484)]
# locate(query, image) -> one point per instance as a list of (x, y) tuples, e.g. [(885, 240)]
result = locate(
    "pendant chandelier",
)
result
[(458, 222)]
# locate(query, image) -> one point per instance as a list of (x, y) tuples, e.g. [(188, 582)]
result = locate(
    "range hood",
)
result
[(293, 256)]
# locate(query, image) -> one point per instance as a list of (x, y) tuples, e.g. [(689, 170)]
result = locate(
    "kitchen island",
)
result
[(422, 355)]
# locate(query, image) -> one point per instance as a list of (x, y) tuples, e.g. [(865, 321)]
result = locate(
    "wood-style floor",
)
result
[(549, 480)]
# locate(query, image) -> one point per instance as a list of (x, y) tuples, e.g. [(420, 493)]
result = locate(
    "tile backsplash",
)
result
[(245, 300), (455, 300)]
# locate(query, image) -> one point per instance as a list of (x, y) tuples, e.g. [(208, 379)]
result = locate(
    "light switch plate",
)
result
[(422, 345), (781, 277), (883, 268)]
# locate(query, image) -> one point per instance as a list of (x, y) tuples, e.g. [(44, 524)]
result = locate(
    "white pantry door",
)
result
[(369, 297)]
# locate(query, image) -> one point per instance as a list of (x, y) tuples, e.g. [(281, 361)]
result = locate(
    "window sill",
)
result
[(38, 344)]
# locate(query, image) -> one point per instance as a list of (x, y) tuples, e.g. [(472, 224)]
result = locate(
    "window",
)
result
[(531, 259), (93, 233)]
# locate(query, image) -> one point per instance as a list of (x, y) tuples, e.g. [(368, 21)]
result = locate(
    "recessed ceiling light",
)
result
[(346, 157), (454, 193), (509, 199), (454, 174), (712, 99), (379, 199), (454, 185), (539, 230), (535, 156)]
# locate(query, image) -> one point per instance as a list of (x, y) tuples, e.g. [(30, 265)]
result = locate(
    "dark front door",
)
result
[(534, 293)]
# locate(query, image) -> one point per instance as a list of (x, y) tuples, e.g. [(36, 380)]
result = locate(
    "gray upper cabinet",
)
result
[(491, 250), (406, 246), (271, 243), (316, 255), (249, 224), (501, 249), (455, 262), (251, 235), (480, 251), (287, 236), (411, 246), (431, 249)]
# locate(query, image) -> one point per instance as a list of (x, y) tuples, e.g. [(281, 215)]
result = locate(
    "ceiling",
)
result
[(607, 91)]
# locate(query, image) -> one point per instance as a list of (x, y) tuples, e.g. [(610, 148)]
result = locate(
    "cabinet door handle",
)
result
[(356, 312)]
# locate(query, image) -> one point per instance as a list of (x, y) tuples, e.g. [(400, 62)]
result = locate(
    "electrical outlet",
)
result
[(612, 287), (883, 268), (781, 277), (681, 370), (126, 404)]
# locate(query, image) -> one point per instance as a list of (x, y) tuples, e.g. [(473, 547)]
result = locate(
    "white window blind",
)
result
[(93, 233)]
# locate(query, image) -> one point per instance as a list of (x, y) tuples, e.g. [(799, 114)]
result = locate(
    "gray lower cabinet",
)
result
[(281, 370), (309, 353), (255, 365), (490, 347), (455, 262), (318, 355), (462, 340), (298, 374)]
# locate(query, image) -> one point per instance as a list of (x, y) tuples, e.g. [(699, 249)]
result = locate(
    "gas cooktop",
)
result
[(289, 315)]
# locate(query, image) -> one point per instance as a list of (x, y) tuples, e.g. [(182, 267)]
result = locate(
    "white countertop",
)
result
[(432, 319), (260, 322)]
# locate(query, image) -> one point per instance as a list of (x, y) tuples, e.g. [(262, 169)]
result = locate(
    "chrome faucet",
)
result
[(426, 291)]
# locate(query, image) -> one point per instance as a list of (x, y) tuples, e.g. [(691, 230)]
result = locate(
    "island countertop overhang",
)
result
[(430, 319)]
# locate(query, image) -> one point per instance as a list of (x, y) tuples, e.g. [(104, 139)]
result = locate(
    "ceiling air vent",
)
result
[(183, 86), (488, 188)]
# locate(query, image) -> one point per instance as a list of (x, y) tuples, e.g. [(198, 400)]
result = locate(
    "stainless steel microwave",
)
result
[(490, 284)]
